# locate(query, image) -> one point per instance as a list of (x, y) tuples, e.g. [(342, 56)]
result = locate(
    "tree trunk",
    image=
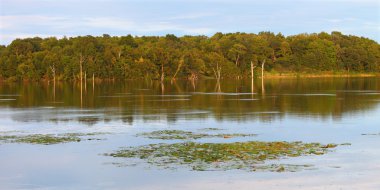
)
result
[(237, 60), (93, 83), (262, 77), (81, 60), (252, 68), (262, 68), (178, 69), (162, 73), (80, 67), (53, 72), (274, 59), (85, 81), (162, 88), (217, 73)]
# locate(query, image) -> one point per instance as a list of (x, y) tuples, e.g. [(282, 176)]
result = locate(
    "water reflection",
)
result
[(190, 99)]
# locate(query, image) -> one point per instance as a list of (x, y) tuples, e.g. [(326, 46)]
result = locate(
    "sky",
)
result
[(45, 18)]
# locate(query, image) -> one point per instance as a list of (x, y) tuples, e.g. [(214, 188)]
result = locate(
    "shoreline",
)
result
[(267, 75), (321, 75)]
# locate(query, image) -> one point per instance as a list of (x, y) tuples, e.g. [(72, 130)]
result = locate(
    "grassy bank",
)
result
[(317, 75)]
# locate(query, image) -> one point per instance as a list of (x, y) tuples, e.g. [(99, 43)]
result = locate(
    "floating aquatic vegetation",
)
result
[(85, 134), (283, 167), (48, 139), (39, 139), (89, 119), (7, 137), (187, 135), (329, 146), (371, 134), (248, 156), (210, 129)]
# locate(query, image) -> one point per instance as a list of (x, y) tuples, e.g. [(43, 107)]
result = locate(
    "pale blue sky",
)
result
[(27, 18)]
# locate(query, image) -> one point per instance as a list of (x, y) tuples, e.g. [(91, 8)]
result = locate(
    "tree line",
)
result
[(228, 55)]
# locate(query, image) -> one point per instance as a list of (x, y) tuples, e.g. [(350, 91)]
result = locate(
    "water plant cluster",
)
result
[(249, 156), (47, 139), (187, 135), (371, 134)]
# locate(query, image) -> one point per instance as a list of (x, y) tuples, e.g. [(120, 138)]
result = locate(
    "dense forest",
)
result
[(127, 57)]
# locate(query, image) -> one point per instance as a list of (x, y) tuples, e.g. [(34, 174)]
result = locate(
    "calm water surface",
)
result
[(334, 110)]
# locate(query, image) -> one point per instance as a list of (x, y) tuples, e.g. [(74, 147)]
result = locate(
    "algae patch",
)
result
[(187, 135), (248, 156)]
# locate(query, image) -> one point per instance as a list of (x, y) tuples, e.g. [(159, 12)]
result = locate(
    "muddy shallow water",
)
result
[(333, 110)]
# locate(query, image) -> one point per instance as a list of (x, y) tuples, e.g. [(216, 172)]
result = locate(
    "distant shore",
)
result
[(319, 75), (267, 75), (222, 56)]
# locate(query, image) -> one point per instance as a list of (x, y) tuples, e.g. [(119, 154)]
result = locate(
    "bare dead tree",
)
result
[(217, 73), (162, 73), (178, 69), (52, 68), (162, 88), (119, 53), (262, 77), (93, 82), (252, 68), (193, 76), (237, 60), (81, 61), (85, 81)]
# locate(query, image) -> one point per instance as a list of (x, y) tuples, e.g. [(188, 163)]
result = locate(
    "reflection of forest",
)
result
[(144, 100)]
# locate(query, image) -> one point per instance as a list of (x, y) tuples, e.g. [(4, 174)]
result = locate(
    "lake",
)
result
[(342, 111)]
